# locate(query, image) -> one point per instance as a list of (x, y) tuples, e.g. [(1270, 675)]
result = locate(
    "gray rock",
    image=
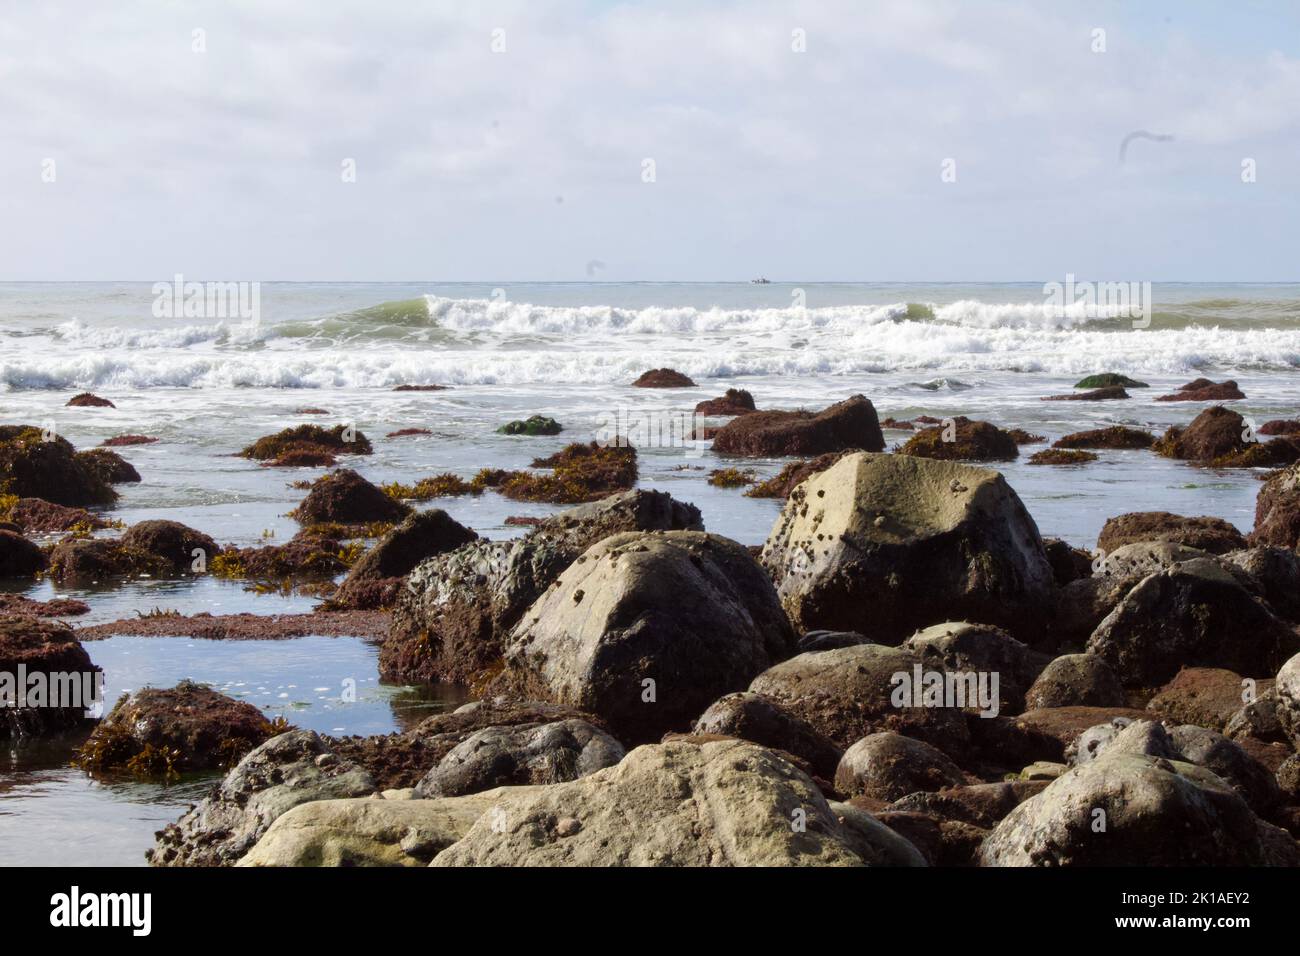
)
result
[(1143, 737), (889, 766), (848, 693), (451, 619), (645, 630), (1225, 759), (1194, 614), (293, 768), (369, 832), (876, 843), (1076, 680), (1127, 808), (958, 646), (712, 803), (762, 721), (520, 755), (1287, 690), (885, 544), (1288, 778)]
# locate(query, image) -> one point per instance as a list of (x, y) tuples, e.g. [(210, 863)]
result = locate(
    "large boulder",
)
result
[(182, 728), (19, 558), (1287, 689), (1076, 680), (47, 682), (646, 629), (1125, 808), (345, 497), (1228, 761), (35, 464), (1213, 535), (369, 832), (1194, 614), (886, 544), (958, 647), (1275, 573), (172, 542), (851, 692), (762, 721), (707, 803), (290, 769), (851, 423), (377, 577), (888, 766), (1277, 510), (451, 618), (519, 755)]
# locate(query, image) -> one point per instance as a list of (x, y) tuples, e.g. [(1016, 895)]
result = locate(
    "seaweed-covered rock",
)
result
[(88, 400), (1116, 436), (888, 766), (1203, 390), (1277, 510), (850, 424), (290, 769), (1213, 535), (451, 618), (663, 378), (1205, 696), (19, 558), (1193, 614), (707, 803), (736, 401), (886, 544), (38, 516), (523, 754), (1068, 562), (533, 425), (762, 721), (172, 542), (792, 475), (186, 727), (345, 497), (961, 439), (339, 440), (1096, 395), (1061, 456), (376, 578), (1142, 801), (33, 467), (1221, 438), (849, 693), (1076, 680), (47, 682), (645, 629), (109, 465), (1109, 380), (580, 473), (90, 560)]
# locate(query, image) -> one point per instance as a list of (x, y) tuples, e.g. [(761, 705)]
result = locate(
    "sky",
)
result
[(538, 140)]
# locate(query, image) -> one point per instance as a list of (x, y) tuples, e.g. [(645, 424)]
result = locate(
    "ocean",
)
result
[(206, 385)]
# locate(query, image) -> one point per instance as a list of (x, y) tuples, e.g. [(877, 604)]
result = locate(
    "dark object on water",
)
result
[(533, 425)]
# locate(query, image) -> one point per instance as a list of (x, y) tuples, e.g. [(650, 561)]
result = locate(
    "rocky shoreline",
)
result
[(906, 673)]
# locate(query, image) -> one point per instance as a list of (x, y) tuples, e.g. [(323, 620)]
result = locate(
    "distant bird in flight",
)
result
[(1140, 134)]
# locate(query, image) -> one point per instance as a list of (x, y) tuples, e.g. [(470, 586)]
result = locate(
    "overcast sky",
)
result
[(529, 163)]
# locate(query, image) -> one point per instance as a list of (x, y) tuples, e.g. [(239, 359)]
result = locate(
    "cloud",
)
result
[(228, 161)]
